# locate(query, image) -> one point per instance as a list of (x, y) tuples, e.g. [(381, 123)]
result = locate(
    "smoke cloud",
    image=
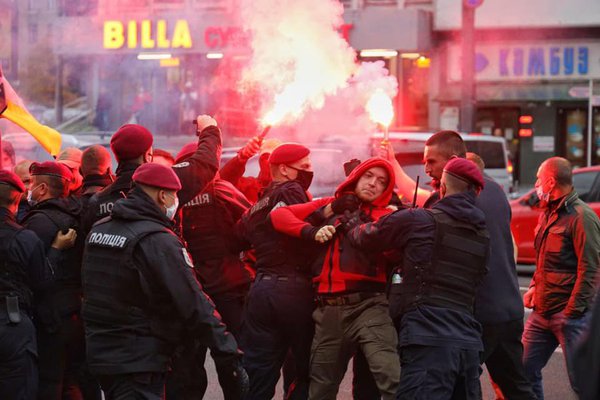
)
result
[(309, 82)]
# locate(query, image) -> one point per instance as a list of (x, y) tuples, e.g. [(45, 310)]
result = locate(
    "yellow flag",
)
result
[(13, 109)]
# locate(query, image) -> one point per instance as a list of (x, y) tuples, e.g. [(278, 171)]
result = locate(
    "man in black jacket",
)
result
[(280, 302), (59, 326), (141, 296), (444, 252), (498, 306), (132, 146), (24, 273)]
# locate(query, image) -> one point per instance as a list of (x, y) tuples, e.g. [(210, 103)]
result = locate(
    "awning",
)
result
[(511, 92)]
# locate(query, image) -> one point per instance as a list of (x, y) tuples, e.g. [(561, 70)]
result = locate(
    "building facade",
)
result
[(533, 62)]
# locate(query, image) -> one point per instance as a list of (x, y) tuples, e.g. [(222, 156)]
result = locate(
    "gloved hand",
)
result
[(350, 220), (250, 149), (237, 381), (203, 122), (347, 202)]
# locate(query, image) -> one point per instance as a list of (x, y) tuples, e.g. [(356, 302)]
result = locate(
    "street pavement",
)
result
[(556, 382)]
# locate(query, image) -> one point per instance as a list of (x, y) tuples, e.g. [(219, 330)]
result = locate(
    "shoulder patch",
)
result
[(186, 256), (278, 205), (181, 165)]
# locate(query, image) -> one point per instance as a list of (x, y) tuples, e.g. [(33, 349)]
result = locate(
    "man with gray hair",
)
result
[(563, 287)]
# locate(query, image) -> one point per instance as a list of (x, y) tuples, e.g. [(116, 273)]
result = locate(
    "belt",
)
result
[(281, 278), (345, 300)]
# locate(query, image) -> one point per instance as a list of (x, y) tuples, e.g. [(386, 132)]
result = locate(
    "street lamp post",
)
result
[(467, 98)]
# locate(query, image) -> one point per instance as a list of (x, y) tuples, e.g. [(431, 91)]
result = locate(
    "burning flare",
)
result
[(380, 108)]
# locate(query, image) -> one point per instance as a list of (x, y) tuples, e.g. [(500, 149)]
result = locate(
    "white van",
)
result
[(409, 148)]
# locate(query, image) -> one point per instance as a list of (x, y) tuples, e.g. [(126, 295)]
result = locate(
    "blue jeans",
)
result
[(542, 336)]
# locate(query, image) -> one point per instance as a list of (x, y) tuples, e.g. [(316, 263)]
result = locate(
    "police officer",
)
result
[(141, 296), (280, 302), (208, 222), (24, 271), (59, 326), (444, 253), (95, 168), (132, 146)]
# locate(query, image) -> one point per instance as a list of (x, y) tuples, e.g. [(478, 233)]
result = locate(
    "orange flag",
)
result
[(13, 109)]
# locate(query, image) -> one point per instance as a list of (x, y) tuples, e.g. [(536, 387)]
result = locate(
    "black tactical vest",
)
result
[(275, 252), (205, 226), (117, 297), (456, 270), (65, 299), (13, 279)]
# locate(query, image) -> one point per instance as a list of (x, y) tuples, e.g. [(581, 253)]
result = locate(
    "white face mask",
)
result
[(544, 197), (30, 199), (171, 211)]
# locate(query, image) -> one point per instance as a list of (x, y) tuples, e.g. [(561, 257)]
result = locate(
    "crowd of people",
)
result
[(117, 285)]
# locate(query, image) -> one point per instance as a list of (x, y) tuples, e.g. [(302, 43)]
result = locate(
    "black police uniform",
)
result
[(432, 294), (61, 343), (24, 271), (194, 173), (498, 304), (91, 185), (280, 303), (208, 222), (141, 299)]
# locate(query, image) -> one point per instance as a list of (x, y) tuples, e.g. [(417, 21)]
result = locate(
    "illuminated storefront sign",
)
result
[(147, 35), (531, 61), (162, 34)]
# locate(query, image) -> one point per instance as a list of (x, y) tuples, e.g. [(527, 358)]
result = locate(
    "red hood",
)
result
[(349, 184)]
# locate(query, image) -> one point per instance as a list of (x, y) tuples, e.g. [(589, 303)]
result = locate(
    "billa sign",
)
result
[(146, 35), (82, 35)]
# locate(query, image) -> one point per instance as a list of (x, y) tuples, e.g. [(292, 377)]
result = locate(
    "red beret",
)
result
[(288, 153), (130, 141), (51, 168), (465, 170), (157, 175), (11, 179), (186, 151)]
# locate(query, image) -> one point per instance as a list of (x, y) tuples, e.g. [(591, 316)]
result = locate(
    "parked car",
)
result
[(525, 212), (409, 148)]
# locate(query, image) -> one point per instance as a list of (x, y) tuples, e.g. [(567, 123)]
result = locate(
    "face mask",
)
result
[(304, 178), (170, 211), (544, 197), (30, 199)]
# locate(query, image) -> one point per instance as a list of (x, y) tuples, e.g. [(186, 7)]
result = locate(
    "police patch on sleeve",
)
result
[(187, 258)]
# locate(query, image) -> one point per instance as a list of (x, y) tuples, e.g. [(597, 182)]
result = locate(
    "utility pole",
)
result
[(467, 93)]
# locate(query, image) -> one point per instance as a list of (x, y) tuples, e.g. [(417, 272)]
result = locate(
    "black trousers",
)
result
[(18, 359), (188, 380), (430, 372), (137, 386), (503, 357), (278, 319), (62, 370)]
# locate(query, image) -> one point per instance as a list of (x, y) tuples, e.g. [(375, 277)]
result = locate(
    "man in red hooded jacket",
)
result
[(352, 310)]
